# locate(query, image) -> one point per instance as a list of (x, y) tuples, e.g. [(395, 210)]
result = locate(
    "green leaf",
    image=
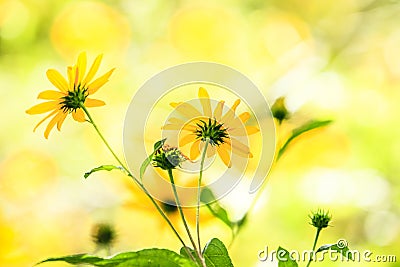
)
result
[(183, 252), (142, 258), (344, 250), (208, 198), (308, 126), (284, 259), (147, 161), (216, 254), (102, 168)]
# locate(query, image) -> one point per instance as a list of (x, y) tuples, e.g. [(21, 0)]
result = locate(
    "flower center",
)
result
[(212, 130), (168, 158), (73, 100)]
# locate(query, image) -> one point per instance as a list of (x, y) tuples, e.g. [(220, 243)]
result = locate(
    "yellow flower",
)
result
[(71, 94), (220, 129)]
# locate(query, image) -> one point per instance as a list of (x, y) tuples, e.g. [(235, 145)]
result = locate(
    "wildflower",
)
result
[(167, 158), (72, 95), (220, 129), (320, 219)]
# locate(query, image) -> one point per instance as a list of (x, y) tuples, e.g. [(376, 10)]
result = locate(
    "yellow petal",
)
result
[(81, 67), (239, 148), (57, 80), (230, 114), (171, 127), (93, 69), (45, 118), (218, 110), (78, 115), (244, 117), (90, 103), (205, 102), (43, 107), (224, 154), (175, 104), (71, 76), (187, 139), (61, 120), (195, 150), (99, 82), (173, 120), (252, 130), (187, 110), (51, 124), (50, 95)]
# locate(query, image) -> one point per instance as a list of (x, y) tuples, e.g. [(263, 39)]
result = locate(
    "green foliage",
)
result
[(102, 168), (284, 259), (143, 258), (148, 160), (308, 126), (344, 250), (216, 254)]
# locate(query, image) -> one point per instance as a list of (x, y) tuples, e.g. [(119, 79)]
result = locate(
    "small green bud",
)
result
[(103, 234), (168, 158), (320, 219), (279, 110)]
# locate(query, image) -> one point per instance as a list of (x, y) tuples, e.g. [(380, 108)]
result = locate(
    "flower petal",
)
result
[(57, 80), (252, 130), (93, 69), (187, 139), (239, 148), (187, 110), (81, 67), (205, 102), (90, 103), (218, 110), (230, 114), (50, 95), (223, 152), (53, 122), (71, 76), (244, 117), (99, 82), (78, 115), (195, 150), (45, 118), (61, 120), (43, 107)]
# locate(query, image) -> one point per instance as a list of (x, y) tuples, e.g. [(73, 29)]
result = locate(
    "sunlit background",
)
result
[(331, 59)]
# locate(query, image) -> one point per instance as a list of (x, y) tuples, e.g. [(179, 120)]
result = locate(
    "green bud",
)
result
[(320, 219), (168, 158), (279, 110)]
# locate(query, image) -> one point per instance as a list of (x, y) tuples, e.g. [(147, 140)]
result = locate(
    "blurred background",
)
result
[(331, 59)]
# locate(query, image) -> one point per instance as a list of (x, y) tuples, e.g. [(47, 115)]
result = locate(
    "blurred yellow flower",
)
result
[(71, 95), (219, 128)]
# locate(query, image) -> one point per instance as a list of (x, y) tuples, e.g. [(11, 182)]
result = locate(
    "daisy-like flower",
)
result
[(71, 94), (221, 130)]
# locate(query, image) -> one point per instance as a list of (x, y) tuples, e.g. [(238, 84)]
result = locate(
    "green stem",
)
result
[(156, 205), (178, 204), (315, 244), (203, 156)]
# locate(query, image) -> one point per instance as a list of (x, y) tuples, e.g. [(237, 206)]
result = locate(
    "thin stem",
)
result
[(315, 244), (178, 204), (156, 205), (203, 156)]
